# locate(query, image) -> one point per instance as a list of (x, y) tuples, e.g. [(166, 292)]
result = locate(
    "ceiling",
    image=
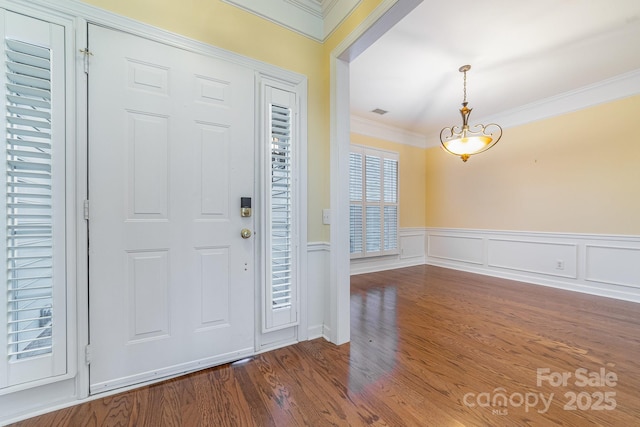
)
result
[(521, 52)]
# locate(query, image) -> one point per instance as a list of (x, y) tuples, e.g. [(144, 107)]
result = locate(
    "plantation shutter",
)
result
[(356, 210), (373, 190), (33, 304), (390, 171), (281, 306)]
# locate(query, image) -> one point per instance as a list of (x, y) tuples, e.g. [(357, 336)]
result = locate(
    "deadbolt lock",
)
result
[(245, 207)]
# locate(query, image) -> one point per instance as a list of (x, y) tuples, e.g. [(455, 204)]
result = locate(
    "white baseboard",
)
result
[(390, 262), (315, 331), (604, 265)]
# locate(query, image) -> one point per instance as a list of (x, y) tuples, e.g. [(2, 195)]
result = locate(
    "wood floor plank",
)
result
[(429, 347)]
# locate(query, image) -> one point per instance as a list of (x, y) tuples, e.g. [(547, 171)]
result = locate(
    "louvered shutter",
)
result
[(34, 215), (373, 190), (373, 213), (281, 289), (390, 171), (356, 211), (355, 230)]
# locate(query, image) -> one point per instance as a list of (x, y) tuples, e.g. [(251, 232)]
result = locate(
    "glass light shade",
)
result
[(468, 145), (468, 140)]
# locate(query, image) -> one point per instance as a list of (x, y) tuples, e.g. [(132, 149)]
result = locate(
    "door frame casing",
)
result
[(385, 16)]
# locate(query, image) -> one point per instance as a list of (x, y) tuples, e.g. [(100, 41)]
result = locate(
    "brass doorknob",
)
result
[(245, 233)]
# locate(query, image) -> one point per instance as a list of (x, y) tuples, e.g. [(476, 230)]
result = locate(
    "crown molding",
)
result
[(379, 130), (92, 14), (612, 89), (315, 19), (319, 8), (314, 7), (618, 87)]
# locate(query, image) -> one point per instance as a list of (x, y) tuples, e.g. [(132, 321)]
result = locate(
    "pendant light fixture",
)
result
[(467, 141)]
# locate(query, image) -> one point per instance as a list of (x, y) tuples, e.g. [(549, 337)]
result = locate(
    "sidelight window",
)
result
[(281, 290), (33, 304)]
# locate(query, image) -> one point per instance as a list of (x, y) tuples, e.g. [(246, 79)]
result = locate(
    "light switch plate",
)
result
[(326, 216)]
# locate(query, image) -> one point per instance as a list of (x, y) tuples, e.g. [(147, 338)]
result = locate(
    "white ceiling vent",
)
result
[(379, 111)]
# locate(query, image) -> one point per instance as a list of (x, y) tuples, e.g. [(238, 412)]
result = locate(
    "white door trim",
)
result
[(387, 14)]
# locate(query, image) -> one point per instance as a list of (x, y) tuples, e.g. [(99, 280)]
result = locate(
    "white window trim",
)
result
[(295, 316), (69, 189)]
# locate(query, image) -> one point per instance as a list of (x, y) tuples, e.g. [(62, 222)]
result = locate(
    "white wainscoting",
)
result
[(605, 265), (317, 289), (412, 252)]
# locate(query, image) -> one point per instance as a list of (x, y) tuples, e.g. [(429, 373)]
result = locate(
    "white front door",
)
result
[(171, 152)]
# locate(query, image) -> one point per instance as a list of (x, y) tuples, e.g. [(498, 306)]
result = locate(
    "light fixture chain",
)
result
[(465, 86)]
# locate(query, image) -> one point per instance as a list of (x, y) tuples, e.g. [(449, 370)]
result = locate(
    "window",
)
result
[(373, 210), (28, 201), (281, 290), (33, 304), (281, 179)]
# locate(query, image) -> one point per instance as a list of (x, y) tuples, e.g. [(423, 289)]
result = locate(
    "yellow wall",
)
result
[(230, 28), (574, 173), (579, 172), (411, 180)]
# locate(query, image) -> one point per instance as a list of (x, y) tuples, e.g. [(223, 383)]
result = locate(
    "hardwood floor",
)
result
[(430, 347)]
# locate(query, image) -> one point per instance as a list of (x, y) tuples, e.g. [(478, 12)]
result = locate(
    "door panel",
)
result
[(170, 154)]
